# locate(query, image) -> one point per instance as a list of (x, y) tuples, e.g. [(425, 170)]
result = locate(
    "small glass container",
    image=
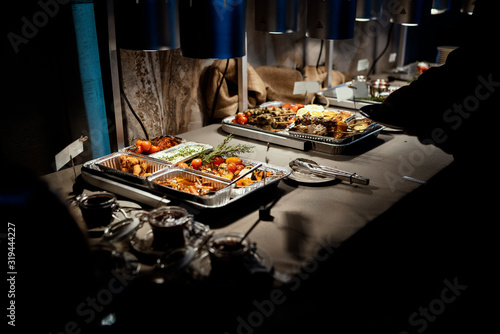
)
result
[(227, 253), (97, 208), (169, 225), (120, 233), (378, 86)]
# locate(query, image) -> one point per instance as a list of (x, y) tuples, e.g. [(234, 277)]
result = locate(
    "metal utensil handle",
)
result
[(353, 178), (240, 176), (335, 170), (344, 176), (337, 173)]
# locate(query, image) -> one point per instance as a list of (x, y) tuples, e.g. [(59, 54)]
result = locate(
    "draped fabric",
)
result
[(265, 83), (162, 88)]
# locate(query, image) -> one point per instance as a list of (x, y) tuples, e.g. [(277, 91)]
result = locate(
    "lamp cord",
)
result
[(217, 92), (133, 112), (389, 35), (319, 55)]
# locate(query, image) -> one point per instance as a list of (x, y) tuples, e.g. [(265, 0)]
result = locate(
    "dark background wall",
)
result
[(42, 104)]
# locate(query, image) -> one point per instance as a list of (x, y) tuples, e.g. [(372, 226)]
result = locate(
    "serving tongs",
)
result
[(311, 167), (239, 177)]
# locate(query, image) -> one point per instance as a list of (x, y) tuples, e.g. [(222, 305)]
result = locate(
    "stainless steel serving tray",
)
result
[(143, 191), (338, 149), (220, 197), (234, 194), (301, 141), (246, 162), (111, 165), (270, 181)]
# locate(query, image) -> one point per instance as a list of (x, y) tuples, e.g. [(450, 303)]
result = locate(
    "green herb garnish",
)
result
[(225, 150), (373, 98)]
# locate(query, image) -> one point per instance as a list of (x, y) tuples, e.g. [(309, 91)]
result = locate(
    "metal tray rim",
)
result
[(338, 148), (144, 186), (96, 164), (247, 161), (220, 197)]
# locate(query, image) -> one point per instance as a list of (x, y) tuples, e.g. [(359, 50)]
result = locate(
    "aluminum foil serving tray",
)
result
[(220, 197), (301, 141), (112, 165), (102, 173)]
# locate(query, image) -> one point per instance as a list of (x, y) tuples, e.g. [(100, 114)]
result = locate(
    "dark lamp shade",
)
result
[(212, 29), (367, 10), (147, 24), (276, 16), (468, 6), (440, 6), (331, 19), (411, 12)]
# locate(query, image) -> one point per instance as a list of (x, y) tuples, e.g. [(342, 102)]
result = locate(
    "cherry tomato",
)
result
[(286, 105), (239, 168), (296, 107), (236, 160), (242, 120), (196, 163), (218, 160), (154, 149), (247, 114), (146, 145), (232, 167), (291, 119), (183, 164), (138, 149), (138, 142)]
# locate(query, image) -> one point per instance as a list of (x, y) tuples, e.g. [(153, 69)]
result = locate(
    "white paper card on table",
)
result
[(360, 89), (72, 150), (343, 93), (303, 87)]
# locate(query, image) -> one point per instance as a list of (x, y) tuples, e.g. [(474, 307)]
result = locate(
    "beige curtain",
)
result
[(265, 83), (162, 88)]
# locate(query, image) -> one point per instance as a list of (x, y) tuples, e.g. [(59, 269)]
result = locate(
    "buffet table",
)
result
[(309, 216), (306, 223)]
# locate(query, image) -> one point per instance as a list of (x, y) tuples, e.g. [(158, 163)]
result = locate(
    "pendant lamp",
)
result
[(331, 19), (276, 16), (367, 10), (147, 24), (411, 12), (468, 6), (440, 6), (212, 29)]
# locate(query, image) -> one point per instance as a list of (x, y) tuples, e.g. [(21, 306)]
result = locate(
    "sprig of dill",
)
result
[(226, 150)]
